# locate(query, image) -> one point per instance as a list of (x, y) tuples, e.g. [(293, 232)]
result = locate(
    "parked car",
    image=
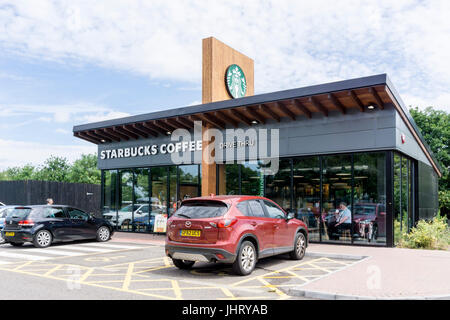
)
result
[(237, 230), (125, 215), (42, 225), (369, 220), (4, 210)]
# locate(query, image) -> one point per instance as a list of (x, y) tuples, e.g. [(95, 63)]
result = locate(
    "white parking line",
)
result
[(107, 245), (21, 256), (52, 251), (80, 248)]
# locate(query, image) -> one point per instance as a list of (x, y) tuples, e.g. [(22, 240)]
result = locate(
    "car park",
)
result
[(237, 230), (43, 225)]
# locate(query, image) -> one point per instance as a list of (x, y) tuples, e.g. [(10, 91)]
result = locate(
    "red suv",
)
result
[(233, 229)]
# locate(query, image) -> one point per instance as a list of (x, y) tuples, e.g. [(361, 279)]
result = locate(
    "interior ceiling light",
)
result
[(370, 107), (255, 121), (169, 133), (103, 140)]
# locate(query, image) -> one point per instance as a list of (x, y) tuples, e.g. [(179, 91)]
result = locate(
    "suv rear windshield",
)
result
[(201, 209)]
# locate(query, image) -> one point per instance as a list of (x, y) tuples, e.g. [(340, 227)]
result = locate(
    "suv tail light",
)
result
[(226, 223), (26, 223)]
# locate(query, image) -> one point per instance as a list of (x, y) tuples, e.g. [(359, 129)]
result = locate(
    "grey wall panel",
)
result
[(410, 147), (428, 191), (337, 133)]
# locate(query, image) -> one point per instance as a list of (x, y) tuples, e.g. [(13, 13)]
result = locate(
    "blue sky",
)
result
[(64, 63)]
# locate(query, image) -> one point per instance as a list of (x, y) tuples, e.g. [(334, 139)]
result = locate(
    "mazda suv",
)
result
[(237, 230)]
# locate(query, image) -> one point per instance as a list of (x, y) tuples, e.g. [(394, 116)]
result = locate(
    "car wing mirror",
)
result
[(290, 216)]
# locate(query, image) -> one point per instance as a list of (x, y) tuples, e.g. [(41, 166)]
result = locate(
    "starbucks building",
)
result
[(309, 149)]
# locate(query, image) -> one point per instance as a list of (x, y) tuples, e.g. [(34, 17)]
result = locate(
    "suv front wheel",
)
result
[(246, 259), (299, 247)]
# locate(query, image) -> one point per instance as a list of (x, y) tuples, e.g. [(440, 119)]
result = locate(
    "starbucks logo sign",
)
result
[(235, 81)]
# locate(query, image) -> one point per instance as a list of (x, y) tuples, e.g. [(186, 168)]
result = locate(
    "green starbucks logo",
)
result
[(235, 80)]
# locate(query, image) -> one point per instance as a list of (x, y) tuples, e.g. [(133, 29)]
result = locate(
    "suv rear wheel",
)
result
[(183, 264), (246, 259), (299, 247)]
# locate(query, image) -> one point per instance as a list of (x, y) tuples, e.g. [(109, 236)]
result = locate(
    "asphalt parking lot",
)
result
[(124, 270)]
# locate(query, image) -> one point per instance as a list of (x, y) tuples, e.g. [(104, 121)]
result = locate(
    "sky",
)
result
[(65, 63)]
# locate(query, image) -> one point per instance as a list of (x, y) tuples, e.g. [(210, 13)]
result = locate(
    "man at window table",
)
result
[(343, 222)]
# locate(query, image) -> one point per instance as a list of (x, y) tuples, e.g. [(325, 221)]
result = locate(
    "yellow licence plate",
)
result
[(9, 234), (190, 233)]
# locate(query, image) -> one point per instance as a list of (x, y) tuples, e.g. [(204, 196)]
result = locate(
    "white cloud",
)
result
[(19, 153), (72, 113), (294, 43), (62, 131)]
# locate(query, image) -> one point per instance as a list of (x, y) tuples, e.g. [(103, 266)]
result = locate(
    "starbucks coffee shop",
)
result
[(309, 149)]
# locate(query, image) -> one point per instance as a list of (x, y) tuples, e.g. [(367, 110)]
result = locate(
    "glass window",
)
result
[(252, 180), (159, 199), (243, 207), (231, 179), (109, 190), (173, 191), (306, 176), (274, 211), (189, 182), (125, 214), (278, 186), (337, 196), (369, 214), (141, 219), (76, 214), (403, 208), (109, 196), (255, 208)]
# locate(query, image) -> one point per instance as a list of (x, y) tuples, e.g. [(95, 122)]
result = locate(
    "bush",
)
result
[(444, 202), (434, 234)]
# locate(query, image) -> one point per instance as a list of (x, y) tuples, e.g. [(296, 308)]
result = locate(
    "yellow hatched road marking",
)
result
[(126, 282), (176, 289), (57, 267), (227, 292)]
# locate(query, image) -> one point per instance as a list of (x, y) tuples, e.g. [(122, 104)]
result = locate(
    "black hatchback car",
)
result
[(42, 225)]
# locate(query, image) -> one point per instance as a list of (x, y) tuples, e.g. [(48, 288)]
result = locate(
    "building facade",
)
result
[(316, 151)]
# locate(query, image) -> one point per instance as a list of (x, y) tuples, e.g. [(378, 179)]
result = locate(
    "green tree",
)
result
[(85, 170), (54, 169), (26, 172), (435, 128)]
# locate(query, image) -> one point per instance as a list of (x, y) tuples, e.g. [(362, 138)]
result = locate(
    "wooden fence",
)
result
[(84, 196)]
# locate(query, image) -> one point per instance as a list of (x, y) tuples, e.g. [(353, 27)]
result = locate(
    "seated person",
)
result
[(343, 222)]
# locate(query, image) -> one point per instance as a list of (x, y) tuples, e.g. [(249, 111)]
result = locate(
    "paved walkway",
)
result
[(385, 273)]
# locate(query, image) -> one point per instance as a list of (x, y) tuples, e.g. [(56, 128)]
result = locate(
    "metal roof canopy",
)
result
[(357, 93)]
